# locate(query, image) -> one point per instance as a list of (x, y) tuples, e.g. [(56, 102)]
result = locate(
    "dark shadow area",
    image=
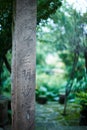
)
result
[(5, 62)]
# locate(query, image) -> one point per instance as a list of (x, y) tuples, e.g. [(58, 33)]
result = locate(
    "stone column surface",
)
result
[(23, 65)]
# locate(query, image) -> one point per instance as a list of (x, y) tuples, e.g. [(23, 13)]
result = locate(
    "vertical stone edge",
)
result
[(15, 100)]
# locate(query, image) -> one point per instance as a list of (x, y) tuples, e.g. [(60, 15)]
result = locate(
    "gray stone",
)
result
[(23, 65)]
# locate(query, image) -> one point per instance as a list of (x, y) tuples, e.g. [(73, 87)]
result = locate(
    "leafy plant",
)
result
[(82, 99), (49, 93), (79, 85)]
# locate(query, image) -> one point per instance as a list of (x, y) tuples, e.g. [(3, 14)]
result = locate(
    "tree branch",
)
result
[(69, 84)]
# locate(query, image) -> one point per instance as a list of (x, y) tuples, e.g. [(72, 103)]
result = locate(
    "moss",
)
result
[(52, 111)]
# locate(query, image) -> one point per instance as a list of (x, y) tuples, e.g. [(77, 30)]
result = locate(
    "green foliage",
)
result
[(79, 85), (48, 92), (5, 26), (46, 8), (63, 34), (82, 99), (6, 79), (5, 34)]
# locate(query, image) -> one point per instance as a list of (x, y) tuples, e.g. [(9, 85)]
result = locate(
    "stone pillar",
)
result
[(23, 65)]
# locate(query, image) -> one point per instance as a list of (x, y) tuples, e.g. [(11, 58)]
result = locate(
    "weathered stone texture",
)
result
[(23, 65)]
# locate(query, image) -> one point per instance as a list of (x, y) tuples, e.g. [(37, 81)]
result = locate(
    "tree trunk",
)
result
[(85, 56), (1, 64), (23, 65), (69, 84)]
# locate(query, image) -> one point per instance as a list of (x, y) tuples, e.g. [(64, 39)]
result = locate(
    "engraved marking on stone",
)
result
[(25, 34), (26, 59), (26, 90), (26, 74)]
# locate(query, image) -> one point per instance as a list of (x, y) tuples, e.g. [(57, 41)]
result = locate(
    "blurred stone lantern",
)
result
[(62, 97), (3, 110)]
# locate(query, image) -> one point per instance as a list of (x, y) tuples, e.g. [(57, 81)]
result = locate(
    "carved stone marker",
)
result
[(23, 65)]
